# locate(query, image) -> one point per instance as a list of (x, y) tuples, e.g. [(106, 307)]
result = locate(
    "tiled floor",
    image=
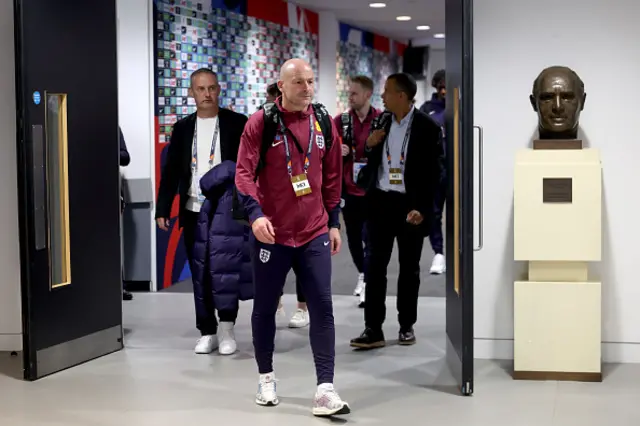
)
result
[(158, 381)]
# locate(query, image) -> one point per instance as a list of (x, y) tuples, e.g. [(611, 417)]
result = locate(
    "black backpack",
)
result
[(271, 121)]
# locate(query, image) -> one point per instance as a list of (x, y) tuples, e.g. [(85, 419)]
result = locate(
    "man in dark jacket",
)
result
[(125, 159), (199, 142), (435, 108), (293, 207), (403, 173)]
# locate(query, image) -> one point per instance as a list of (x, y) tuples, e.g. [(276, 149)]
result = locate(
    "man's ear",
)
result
[(584, 99), (191, 92), (534, 104)]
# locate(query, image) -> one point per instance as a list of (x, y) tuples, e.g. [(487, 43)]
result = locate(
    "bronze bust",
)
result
[(558, 97)]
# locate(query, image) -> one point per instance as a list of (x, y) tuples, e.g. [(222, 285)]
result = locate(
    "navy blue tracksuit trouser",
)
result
[(312, 263)]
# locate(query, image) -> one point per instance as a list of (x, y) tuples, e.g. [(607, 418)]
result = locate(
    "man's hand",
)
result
[(163, 223), (263, 230), (345, 150), (336, 240), (376, 137), (414, 217)]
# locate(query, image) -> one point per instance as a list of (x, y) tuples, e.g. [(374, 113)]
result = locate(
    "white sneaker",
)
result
[(327, 402), (228, 344), (280, 313), (439, 265), (206, 344), (267, 390), (299, 319), (360, 286), (361, 304)]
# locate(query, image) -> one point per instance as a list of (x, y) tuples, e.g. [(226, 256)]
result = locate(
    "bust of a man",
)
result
[(558, 97)]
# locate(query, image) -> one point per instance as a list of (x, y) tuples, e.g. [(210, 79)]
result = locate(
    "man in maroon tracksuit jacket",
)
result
[(355, 126), (293, 208)]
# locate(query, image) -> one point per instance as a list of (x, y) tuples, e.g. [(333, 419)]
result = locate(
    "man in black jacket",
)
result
[(402, 175), (198, 143), (125, 159)]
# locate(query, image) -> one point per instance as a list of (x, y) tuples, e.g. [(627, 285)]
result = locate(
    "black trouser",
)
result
[(355, 214), (203, 297), (388, 222), (435, 235)]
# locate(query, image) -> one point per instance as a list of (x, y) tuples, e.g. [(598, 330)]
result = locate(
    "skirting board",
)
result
[(10, 342), (623, 353), (557, 376)]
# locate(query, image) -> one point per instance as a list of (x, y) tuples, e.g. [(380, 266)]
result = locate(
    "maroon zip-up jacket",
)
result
[(296, 220)]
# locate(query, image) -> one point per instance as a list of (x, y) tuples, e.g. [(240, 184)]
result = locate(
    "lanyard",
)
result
[(194, 151), (407, 133), (287, 151)]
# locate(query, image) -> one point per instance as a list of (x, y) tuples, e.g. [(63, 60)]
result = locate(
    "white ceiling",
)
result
[(383, 21)]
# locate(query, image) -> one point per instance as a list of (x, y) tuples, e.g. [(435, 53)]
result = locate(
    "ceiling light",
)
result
[(439, 35), (403, 18), (377, 5), (423, 27)]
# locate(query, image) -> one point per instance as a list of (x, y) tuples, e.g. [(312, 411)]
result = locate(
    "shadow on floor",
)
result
[(11, 365)]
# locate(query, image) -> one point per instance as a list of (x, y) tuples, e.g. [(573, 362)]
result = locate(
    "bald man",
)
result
[(291, 198)]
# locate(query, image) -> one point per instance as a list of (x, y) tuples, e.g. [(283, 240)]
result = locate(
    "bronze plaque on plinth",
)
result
[(557, 144), (557, 190)]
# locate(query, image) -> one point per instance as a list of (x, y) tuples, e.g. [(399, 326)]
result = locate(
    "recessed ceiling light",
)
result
[(377, 5), (403, 18), (439, 35), (423, 27)]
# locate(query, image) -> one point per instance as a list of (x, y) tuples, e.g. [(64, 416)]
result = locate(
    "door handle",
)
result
[(480, 186)]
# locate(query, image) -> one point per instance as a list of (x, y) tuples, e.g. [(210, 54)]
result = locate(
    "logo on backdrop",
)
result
[(265, 255)]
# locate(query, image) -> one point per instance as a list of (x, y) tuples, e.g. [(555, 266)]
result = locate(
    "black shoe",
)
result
[(407, 338), (369, 339), (126, 295)]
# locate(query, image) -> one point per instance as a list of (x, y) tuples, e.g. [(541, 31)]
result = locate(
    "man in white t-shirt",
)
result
[(198, 143)]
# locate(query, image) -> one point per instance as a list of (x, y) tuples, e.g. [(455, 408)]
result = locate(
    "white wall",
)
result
[(136, 101), (328, 37), (10, 299), (600, 43), (135, 85), (437, 61)]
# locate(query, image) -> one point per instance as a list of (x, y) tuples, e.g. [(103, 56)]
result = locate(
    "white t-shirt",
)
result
[(205, 130)]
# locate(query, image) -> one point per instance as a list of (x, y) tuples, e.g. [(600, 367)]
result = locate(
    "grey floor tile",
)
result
[(158, 380)]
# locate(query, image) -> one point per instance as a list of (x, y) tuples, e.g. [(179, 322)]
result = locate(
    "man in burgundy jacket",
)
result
[(354, 125), (293, 208)]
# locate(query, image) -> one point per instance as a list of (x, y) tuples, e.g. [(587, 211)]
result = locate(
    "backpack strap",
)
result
[(383, 121), (347, 127), (323, 117), (271, 114)]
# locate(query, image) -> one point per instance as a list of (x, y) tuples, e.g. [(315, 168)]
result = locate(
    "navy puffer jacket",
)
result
[(222, 264)]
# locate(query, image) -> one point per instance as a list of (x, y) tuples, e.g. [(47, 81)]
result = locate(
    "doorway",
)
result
[(68, 183), (85, 210)]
